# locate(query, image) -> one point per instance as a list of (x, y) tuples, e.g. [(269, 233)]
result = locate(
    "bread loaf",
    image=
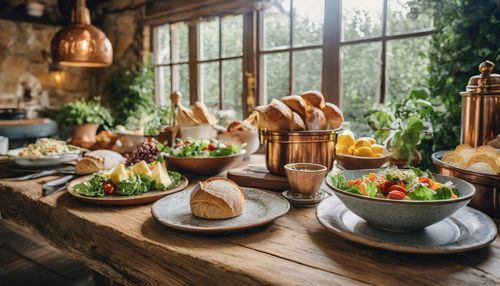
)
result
[(217, 198), (314, 118), (185, 117), (277, 116), (97, 160), (333, 114), (201, 114), (314, 98)]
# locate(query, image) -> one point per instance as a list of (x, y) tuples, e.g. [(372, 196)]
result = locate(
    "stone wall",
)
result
[(22, 63), (24, 77)]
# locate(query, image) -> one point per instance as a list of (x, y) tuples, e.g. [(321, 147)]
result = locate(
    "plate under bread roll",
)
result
[(262, 207)]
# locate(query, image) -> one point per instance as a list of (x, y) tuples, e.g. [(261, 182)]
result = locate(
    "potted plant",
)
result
[(403, 124), (85, 117)]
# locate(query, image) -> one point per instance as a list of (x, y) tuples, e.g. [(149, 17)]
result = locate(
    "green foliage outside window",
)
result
[(84, 112)]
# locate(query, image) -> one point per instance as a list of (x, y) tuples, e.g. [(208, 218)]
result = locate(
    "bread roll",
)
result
[(314, 118), (217, 198), (276, 116), (185, 117), (89, 165), (314, 98), (333, 114), (239, 126), (201, 113)]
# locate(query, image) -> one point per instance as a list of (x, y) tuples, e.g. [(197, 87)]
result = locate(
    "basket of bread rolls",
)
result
[(479, 166), (297, 129)]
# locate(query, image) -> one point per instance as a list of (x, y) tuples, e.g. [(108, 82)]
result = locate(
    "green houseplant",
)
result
[(85, 116)]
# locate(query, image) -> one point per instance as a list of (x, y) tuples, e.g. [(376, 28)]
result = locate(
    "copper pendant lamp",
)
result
[(81, 44)]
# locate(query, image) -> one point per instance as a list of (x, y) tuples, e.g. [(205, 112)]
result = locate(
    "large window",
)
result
[(383, 53), (357, 52), (290, 47), (171, 61), (220, 64)]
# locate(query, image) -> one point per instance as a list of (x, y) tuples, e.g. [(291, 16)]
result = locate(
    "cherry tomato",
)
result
[(424, 180), (109, 188), (396, 195), (397, 188), (354, 182), (188, 142), (211, 147)]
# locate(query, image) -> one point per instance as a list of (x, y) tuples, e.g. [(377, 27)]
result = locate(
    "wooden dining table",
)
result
[(129, 246)]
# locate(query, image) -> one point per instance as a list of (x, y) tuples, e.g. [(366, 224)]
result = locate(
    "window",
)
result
[(290, 47), (171, 62), (220, 64), (383, 53)]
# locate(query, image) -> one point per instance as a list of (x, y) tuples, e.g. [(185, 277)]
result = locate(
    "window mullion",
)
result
[(331, 74), (193, 43), (383, 55), (291, 74), (221, 69)]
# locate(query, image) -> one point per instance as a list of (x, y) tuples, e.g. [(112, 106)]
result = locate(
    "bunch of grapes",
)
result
[(146, 151)]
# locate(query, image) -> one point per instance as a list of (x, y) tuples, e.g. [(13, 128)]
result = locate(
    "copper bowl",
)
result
[(487, 198), (284, 147), (203, 166), (350, 162)]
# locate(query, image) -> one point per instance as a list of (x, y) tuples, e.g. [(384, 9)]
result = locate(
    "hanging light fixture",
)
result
[(81, 44)]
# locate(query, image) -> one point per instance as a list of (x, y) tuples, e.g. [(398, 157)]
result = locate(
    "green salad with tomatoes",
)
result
[(201, 148), (397, 184)]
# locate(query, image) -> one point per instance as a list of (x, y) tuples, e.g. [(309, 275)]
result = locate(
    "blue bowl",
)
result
[(403, 215)]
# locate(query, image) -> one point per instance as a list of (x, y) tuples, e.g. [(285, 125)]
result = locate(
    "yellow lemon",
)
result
[(350, 151), (372, 140), (346, 138), (362, 142), (377, 149), (340, 149), (363, 152)]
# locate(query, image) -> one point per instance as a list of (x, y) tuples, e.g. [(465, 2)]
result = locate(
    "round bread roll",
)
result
[(276, 116), (333, 114), (185, 117), (484, 158), (217, 198), (314, 98)]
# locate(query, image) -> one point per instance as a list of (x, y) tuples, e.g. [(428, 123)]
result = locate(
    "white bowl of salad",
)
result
[(45, 152), (206, 157), (401, 200)]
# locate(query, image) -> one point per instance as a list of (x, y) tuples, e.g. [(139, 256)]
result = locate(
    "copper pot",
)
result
[(487, 197), (284, 147)]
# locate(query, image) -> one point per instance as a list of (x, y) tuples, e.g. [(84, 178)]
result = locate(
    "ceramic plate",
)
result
[(465, 230), (261, 208), (46, 161), (124, 200), (305, 202)]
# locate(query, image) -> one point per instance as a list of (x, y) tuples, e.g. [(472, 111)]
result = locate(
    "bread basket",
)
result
[(487, 197), (284, 147)]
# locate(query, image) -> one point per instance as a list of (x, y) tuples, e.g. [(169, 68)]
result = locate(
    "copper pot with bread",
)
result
[(298, 129)]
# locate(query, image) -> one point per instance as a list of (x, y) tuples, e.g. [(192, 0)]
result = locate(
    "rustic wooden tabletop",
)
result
[(128, 245)]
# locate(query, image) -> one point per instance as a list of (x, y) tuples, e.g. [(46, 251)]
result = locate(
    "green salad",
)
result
[(201, 148), (397, 184), (121, 181)]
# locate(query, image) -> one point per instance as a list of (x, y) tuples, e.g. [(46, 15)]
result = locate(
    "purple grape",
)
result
[(146, 151)]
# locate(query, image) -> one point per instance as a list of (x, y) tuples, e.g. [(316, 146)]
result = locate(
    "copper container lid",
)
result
[(486, 82)]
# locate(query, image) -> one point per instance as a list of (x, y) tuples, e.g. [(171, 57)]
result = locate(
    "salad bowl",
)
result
[(402, 215), (42, 161), (203, 166)]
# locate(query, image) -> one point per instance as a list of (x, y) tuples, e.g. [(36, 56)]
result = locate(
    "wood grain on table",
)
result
[(130, 246)]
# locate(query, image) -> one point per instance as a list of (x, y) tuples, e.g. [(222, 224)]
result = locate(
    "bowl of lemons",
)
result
[(359, 153)]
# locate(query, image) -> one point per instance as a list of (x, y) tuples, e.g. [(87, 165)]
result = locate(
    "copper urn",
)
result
[(481, 107)]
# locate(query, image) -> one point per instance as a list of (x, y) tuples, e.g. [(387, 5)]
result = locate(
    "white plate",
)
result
[(261, 208), (465, 230), (45, 161)]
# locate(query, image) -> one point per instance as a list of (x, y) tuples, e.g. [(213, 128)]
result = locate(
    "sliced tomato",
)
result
[(384, 187), (354, 182), (396, 195), (211, 147), (397, 188), (424, 180)]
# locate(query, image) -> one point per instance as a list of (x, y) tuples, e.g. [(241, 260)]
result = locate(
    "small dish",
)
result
[(403, 215), (308, 202), (44, 161), (124, 200), (204, 166), (350, 162), (262, 207), (465, 230)]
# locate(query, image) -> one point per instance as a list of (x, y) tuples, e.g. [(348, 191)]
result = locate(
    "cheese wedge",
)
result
[(160, 175), (118, 174), (141, 169)]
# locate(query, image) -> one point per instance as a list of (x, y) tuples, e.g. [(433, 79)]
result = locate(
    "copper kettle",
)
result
[(481, 107)]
